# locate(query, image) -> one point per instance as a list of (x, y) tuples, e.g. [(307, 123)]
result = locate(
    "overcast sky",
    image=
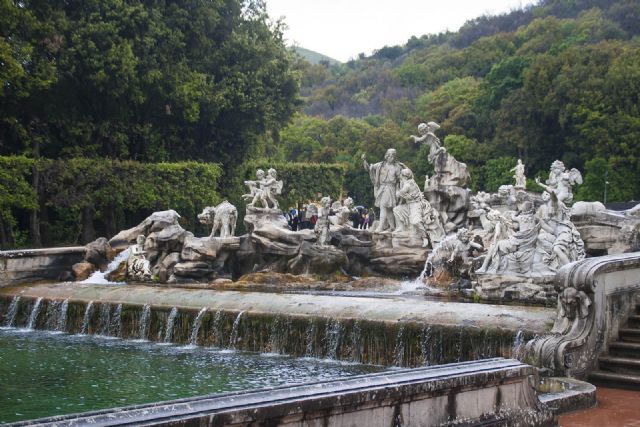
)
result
[(342, 29)]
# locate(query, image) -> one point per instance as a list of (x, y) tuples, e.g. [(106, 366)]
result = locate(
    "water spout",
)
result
[(87, 318), (234, 331), (398, 353), (333, 338), (196, 326), (518, 345), (13, 311), (61, 323), (35, 311), (168, 334), (145, 320), (115, 325)]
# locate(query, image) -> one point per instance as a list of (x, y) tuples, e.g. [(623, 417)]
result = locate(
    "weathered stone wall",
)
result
[(27, 265)]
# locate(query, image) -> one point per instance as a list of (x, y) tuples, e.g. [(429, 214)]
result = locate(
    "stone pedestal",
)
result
[(452, 201)]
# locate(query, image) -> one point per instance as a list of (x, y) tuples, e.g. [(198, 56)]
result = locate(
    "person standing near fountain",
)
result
[(385, 177)]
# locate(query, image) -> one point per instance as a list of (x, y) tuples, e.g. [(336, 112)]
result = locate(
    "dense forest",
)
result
[(559, 80), (152, 81)]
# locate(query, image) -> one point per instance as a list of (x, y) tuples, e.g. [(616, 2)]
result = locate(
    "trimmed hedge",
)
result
[(81, 198)]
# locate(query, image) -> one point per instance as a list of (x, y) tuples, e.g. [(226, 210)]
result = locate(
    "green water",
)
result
[(44, 374)]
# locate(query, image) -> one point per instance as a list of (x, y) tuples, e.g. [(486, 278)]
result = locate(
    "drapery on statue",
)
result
[(137, 263), (321, 228), (521, 179), (415, 214), (264, 189), (385, 177), (545, 241)]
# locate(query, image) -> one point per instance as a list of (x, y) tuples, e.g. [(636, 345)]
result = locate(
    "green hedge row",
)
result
[(80, 199)]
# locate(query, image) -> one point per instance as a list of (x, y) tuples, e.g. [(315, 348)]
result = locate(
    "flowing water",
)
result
[(168, 334), (44, 375), (145, 320), (11, 313), (88, 312), (234, 331), (35, 311), (193, 340), (100, 277)]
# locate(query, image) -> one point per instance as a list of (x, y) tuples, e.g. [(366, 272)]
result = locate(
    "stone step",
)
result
[(625, 365), (615, 380), (629, 334), (634, 321), (625, 349)]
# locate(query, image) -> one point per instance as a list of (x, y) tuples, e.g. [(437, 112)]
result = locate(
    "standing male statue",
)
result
[(385, 177)]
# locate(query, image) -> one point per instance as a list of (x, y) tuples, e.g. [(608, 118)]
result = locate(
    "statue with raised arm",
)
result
[(427, 136), (521, 179), (264, 189), (385, 177), (559, 186), (448, 171)]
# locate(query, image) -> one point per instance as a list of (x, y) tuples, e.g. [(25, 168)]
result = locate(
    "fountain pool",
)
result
[(44, 374)]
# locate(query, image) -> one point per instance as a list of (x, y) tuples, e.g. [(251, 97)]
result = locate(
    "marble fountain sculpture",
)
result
[(514, 245)]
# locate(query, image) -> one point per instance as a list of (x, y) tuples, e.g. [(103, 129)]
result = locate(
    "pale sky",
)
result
[(342, 29)]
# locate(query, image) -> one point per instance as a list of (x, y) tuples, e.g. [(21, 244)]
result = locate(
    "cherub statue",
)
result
[(255, 192), (264, 189), (343, 212), (559, 185), (427, 136)]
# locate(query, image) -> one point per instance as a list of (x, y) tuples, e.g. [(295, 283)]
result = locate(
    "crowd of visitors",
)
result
[(306, 217)]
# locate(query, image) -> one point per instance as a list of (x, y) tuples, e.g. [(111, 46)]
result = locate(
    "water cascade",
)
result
[(11, 313), (145, 320), (234, 331), (87, 318), (104, 320), (425, 345), (56, 315), (193, 340), (218, 331), (310, 333), (35, 311), (168, 334), (333, 338), (99, 277), (398, 352), (518, 345), (115, 324)]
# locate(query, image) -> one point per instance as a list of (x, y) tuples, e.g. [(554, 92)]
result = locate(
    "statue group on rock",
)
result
[(264, 189), (537, 242)]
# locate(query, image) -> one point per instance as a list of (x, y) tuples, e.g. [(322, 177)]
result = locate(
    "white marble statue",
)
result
[(321, 228), (137, 264), (385, 176), (414, 213), (448, 171), (222, 219), (559, 185), (539, 244), (521, 179), (342, 212), (428, 137), (264, 189)]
